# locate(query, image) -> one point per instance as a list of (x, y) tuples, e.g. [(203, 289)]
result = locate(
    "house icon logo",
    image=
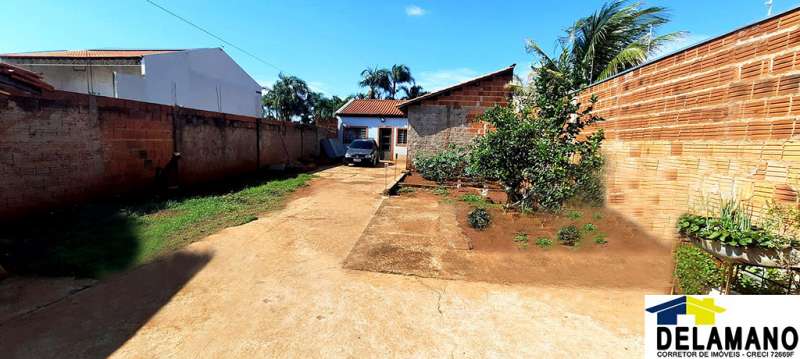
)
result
[(704, 310)]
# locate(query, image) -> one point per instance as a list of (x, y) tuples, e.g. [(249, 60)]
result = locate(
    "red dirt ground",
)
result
[(427, 228)]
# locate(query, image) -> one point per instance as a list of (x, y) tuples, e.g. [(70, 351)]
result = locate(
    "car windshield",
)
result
[(361, 145)]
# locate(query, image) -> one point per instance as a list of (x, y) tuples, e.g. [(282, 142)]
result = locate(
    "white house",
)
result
[(380, 120), (205, 79)]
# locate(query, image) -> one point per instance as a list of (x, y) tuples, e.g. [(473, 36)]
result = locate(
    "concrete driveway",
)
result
[(276, 288)]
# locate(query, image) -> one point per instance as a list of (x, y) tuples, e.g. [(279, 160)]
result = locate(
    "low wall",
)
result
[(716, 120), (63, 148)]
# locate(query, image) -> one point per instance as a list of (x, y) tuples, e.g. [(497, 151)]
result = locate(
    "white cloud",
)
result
[(414, 10), (434, 80), (681, 43)]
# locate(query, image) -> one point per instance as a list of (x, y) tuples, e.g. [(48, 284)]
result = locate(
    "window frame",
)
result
[(397, 138)]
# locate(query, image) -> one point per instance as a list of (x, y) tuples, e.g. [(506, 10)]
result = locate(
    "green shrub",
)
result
[(696, 270), (479, 218), (406, 190), (446, 165), (544, 242), (600, 238), (521, 239), (569, 235), (589, 227)]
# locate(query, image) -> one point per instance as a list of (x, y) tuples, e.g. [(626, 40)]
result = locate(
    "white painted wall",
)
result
[(205, 79), (373, 124), (76, 78)]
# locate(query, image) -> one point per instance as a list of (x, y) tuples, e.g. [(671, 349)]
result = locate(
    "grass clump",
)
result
[(574, 215), (521, 239), (589, 227), (479, 218), (569, 235), (441, 191), (101, 238), (600, 238), (544, 242), (406, 190)]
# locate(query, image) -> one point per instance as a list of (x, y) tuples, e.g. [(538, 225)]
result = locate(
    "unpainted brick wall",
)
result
[(63, 148), (714, 121), (452, 118)]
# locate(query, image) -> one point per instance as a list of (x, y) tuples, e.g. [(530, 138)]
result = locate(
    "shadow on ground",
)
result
[(99, 319)]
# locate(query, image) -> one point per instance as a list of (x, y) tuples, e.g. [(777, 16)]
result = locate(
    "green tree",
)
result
[(377, 80), (412, 92), (399, 75), (289, 97), (618, 36)]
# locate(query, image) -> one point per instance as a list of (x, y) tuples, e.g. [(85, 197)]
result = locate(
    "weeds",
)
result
[(544, 242), (441, 191), (574, 215), (521, 239), (600, 238)]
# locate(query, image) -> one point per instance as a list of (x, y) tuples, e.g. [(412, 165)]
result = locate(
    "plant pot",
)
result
[(765, 257)]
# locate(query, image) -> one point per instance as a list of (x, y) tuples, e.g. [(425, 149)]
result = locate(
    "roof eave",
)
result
[(453, 87)]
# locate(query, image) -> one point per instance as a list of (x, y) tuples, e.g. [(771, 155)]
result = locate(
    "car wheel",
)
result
[(374, 161)]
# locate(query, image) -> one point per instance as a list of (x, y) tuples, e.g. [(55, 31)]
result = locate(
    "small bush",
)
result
[(696, 270), (479, 218), (589, 227), (569, 235), (442, 166), (600, 238), (544, 242), (521, 239)]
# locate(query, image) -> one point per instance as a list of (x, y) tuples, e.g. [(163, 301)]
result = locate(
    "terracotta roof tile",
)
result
[(436, 93), (98, 54), (365, 107), (18, 80)]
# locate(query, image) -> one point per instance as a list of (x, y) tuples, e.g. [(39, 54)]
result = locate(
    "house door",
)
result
[(385, 143)]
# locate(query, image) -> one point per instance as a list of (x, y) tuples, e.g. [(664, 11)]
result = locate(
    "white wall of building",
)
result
[(206, 79), (373, 124), (97, 79)]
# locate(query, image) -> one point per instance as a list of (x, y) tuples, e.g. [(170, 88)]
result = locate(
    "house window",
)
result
[(402, 136), (351, 134)]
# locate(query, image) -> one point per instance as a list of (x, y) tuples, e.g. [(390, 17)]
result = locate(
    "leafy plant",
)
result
[(521, 239), (589, 227), (574, 215), (729, 231), (477, 200), (597, 216), (537, 155), (600, 238), (696, 270), (479, 218), (544, 242), (569, 235), (406, 190), (441, 191), (443, 166)]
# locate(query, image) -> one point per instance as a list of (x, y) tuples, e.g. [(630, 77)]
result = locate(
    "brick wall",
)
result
[(452, 116), (718, 119), (62, 148)]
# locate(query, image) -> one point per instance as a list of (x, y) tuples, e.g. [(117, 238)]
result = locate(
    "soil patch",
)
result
[(426, 233)]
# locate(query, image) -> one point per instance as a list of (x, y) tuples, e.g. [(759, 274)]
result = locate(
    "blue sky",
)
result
[(328, 43)]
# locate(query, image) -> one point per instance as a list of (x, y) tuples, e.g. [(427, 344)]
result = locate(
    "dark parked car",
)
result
[(362, 152)]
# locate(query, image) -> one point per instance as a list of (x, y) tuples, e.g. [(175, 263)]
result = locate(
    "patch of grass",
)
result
[(97, 239), (406, 190), (600, 238), (477, 200), (589, 227), (521, 239), (597, 216), (544, 242), (441, 191), (574, 215)]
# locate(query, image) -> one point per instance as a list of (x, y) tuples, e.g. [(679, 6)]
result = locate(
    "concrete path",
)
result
[(276, 288)]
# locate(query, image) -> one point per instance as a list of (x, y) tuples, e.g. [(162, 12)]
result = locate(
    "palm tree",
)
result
[(400, 74), (615, 38), (412, 92), (288, 97), (377, 80)]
